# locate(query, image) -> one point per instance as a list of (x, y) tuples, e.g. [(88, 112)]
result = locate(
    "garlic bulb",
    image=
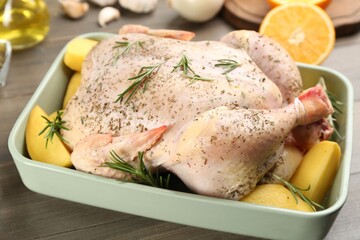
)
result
[(103, 3), (108, 14), (73, 8), (139, 6), (197, 10)]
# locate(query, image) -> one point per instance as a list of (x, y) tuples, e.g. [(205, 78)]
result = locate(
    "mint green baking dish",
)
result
[(176, 206)]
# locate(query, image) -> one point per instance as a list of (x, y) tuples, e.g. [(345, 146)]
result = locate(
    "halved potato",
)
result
[(73, 85), (55, 152), (318, 170), (76, 51)]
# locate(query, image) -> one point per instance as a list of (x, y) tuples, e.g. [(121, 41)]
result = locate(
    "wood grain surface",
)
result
[(28, 215), (244, 14)]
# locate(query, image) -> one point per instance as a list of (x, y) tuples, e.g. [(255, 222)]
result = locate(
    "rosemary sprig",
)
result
[(184, 66), (141, 78), (53, 128), (126, 47), (140, 175), (338, 108), (296, 191), (196, 77), (228, 64), (337, 105)]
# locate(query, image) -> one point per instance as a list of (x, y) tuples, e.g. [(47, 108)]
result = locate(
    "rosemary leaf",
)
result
[(184, 66), (228, 64), (338, 109), (196, 77), (296, 191), (142, 78), (337, 105), (139, 175), (53, 128), (126, 47)]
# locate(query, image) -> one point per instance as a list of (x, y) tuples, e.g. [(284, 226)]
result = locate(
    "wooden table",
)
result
[(28, 215)]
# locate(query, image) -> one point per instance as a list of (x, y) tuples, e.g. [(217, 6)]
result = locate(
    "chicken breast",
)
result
[(169, 96)]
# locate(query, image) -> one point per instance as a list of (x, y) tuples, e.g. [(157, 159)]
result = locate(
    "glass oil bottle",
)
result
[(23, 22)]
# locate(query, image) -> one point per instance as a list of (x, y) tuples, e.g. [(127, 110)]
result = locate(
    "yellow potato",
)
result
[(318, 170), (76, 51), (276, 195), (55, 152), (73, 85)]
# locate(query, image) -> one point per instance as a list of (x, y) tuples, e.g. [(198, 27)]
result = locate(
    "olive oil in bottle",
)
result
[(23, 22)]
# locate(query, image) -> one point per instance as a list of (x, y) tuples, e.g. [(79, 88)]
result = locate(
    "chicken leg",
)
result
[(224, 153), (271, 58), (93, 151)]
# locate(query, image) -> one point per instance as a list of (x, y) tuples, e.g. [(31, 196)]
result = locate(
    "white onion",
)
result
[(197, 10)]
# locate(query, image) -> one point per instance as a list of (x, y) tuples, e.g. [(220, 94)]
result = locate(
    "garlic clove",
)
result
[(74, 9), (108, 14), (139, 6), (103, 3), (197, 10)]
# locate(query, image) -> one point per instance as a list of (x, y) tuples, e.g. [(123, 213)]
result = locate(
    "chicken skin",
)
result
[(171, 96), (215, 113)]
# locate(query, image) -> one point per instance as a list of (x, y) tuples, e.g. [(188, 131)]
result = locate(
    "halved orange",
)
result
[(306, 31), (321, 3)]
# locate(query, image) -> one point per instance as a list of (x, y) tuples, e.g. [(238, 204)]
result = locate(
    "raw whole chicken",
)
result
[(219, 130)]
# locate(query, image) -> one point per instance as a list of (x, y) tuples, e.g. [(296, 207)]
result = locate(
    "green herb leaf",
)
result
[(53, 128), (228, 64), (184, 66), (125, 46), (338, 108), (196, 77), (142, 78), (296, 191), (140, 175), (337, 105)]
